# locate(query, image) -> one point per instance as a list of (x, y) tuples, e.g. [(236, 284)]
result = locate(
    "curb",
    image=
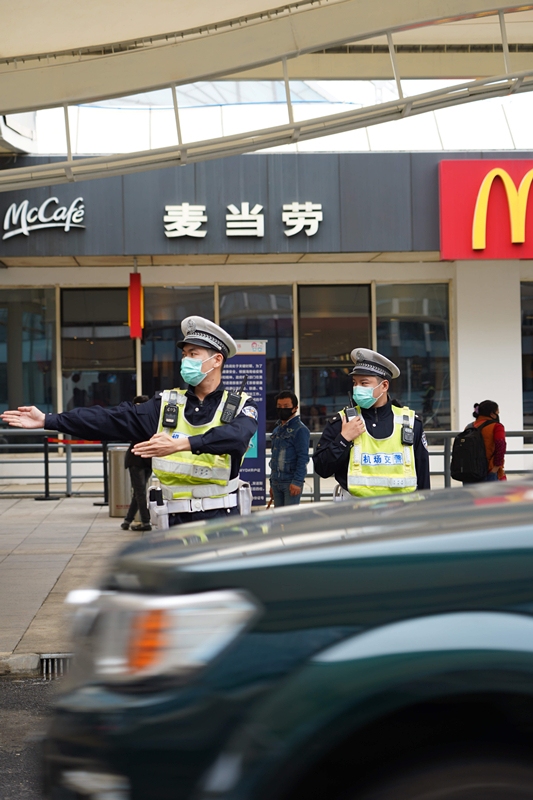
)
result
[(28, 664)]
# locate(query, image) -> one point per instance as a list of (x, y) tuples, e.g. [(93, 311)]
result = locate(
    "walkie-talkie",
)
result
[(232, 403), (350, 411), (170, 414), (408, 434)]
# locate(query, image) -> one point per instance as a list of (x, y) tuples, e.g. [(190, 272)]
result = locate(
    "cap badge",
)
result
[(191, 327)]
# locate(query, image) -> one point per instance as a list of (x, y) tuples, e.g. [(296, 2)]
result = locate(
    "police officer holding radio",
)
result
[(196, 437), (373, 447)]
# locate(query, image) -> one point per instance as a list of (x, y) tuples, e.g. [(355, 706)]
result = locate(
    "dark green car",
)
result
[(366, 649)]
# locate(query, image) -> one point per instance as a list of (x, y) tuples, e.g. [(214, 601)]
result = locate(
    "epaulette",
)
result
[(335, 418)]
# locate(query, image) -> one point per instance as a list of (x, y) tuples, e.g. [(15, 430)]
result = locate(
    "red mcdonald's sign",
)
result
[(486, 209)]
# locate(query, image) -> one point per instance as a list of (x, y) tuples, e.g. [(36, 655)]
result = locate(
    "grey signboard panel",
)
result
[(369, 202), (375, 202), (306, 178), (270, 181)]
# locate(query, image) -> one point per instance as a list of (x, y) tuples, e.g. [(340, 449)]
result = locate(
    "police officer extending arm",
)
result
[(383, 448), (196, 439)]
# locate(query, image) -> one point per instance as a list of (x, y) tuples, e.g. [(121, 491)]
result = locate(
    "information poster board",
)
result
[(251, 361)]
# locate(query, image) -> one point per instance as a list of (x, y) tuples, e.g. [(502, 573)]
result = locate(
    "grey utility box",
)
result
[(119, 481)]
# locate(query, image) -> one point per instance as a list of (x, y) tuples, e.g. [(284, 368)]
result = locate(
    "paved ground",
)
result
[(24, 708), (47, 549)]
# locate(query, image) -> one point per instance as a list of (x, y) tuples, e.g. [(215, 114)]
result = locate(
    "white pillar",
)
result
[(488, 340)]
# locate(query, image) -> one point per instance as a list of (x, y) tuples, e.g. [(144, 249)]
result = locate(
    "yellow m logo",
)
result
[(516, 200)]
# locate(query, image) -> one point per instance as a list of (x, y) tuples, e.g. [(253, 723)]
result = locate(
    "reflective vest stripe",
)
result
[(200, 490), (375, 480), (193, 470)]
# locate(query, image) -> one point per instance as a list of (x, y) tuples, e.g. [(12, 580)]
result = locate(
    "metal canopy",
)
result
[(275, 38)]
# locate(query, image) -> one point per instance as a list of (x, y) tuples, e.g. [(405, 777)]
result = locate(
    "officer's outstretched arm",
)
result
[(123, 423)]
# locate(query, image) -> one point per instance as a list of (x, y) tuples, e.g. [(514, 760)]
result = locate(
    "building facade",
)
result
[(315, 253)]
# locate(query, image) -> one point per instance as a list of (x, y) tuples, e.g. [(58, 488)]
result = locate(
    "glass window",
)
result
[(164, 310), (413, 331), (526, 291), (333, 320), (27, 369), (98, 356), (263, 312)]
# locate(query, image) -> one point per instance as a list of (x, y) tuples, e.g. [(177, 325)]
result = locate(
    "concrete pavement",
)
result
[(47, 549)]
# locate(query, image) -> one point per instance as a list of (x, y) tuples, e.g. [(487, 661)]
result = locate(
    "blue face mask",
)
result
[(364, 395), (191, 370)]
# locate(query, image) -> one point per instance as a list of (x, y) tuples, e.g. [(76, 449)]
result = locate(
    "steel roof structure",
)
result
[(60, 54)]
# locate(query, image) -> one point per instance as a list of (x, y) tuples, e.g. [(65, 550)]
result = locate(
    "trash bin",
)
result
[(119, 481)]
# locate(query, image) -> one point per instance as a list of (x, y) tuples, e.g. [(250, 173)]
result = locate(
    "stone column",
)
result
[(487, 355)]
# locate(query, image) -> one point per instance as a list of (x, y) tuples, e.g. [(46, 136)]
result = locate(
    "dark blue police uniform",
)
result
[(332, 455), (138, 423)]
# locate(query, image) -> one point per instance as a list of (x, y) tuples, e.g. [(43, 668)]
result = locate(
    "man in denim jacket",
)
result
[(290, 452)]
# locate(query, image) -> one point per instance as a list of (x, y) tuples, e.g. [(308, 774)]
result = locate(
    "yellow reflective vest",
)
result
[(185, 475), (383, 466)]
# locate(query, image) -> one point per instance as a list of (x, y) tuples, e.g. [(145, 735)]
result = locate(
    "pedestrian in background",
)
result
[(290, 452), (487, 418), (140, 470)]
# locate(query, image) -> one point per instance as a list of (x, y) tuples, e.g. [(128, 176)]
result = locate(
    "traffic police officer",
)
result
[(375, 447), (197, 453)]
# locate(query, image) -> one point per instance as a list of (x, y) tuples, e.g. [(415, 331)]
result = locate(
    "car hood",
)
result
[(199, 557)]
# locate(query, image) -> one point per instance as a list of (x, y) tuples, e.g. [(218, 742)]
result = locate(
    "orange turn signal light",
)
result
[(148, 639)]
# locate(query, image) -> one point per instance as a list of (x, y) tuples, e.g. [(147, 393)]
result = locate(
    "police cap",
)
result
[(368, 362), (197, 330)]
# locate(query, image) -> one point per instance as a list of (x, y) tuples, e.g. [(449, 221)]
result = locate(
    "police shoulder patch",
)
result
[(425, 441), (250, 411)]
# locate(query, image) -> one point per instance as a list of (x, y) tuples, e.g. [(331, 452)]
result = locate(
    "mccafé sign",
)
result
[(486, 209)]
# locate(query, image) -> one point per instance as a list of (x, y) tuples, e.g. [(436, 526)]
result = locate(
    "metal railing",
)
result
[(47, 442)]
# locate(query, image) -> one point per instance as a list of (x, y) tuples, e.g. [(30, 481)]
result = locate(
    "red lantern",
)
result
[(135, 306)]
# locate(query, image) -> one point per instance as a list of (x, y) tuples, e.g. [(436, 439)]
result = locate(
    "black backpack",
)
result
[(469, 458)]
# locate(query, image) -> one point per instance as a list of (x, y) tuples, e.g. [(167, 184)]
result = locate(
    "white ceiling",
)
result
[(31, 27), (238, 37), (482, 30), (58, 53)]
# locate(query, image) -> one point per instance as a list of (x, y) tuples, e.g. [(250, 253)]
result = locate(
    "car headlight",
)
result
[(136, 636)]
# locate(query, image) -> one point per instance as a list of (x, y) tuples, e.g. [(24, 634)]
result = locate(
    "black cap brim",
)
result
[(209, 345), (382, 373)]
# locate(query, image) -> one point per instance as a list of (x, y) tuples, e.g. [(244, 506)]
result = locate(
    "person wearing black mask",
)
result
[(290, 452)]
